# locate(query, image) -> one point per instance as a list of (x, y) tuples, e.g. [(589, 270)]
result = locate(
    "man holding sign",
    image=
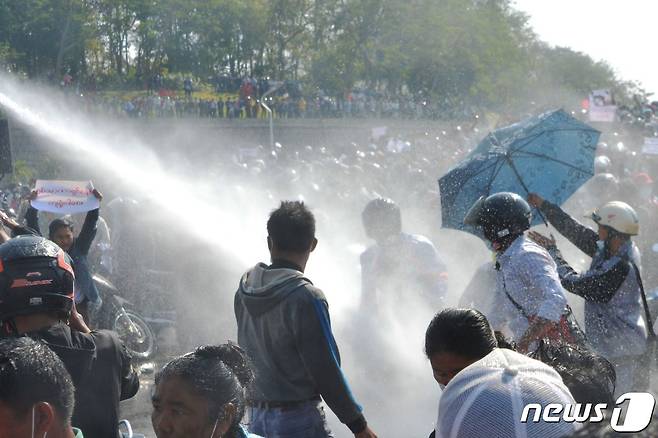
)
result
[(70, 197)]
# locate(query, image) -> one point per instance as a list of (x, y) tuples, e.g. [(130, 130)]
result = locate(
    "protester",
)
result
[(455, 339), (529, 302), (36, 392), (36, 300), (638, 193), (614, 322), (398, 263), (209, 385), (15, 229), (487, 399), (283, 324), (60, 231)]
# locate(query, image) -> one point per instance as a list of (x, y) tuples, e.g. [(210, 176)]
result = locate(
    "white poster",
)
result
[(650, 146), (378, 132), (65, 197), (602, 107)]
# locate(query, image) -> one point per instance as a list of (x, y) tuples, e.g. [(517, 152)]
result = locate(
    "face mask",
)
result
[(214, 428), (442, 386), (33, 423), (600, 244)]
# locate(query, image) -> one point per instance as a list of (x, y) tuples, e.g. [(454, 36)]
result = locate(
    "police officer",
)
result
[(36, 300), (613, 311)]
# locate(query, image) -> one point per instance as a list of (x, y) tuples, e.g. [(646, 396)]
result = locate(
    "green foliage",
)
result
[(23, 173), (451, 53)]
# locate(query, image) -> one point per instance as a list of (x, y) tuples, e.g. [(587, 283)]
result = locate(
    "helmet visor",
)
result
[(596, 217), (474, 213)]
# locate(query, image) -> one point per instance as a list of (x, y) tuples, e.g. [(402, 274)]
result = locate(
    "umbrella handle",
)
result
[(518, 176), (541, 215)]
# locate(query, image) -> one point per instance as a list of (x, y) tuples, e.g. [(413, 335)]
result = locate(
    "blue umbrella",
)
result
[(551, 154)]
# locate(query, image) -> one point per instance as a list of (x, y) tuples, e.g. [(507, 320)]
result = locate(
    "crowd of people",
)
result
[(242, 98), (355, 104), (62, 379), (514, 341), (250, 98)]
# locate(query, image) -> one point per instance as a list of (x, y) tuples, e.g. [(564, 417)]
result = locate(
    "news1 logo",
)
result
[(638, 413)]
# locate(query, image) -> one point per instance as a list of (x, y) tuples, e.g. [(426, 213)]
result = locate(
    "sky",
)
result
[(621, 32)]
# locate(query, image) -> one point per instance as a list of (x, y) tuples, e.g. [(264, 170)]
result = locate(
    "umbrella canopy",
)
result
[(551, 154)]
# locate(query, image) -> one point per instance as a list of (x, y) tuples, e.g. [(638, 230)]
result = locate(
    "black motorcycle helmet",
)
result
[(501, 216), (381, 218), (35, 277)]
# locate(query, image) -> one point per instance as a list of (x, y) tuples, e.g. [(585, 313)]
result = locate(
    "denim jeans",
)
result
[(305, 421)]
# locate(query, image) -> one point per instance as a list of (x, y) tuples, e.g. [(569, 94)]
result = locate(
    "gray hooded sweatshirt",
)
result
[(283, 324)]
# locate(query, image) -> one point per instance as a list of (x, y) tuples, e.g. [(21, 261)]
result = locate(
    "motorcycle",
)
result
[(126, 430), (117, 314)]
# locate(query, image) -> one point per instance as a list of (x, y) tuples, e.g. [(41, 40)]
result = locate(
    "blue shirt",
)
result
[(403, 263)]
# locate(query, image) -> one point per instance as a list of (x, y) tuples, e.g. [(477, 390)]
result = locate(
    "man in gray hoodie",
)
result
[(283, 324)]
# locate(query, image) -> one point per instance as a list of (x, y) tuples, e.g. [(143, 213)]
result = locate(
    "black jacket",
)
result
[(102, 374)]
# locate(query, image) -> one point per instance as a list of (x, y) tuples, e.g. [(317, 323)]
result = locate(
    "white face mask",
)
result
[(34, 422), (214, 428), (600, 244)]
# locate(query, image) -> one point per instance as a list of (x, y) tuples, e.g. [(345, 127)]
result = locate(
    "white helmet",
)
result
[(602, 164), (619, 216)]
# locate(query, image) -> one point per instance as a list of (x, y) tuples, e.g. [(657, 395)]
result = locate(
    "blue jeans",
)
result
[(305, 421)]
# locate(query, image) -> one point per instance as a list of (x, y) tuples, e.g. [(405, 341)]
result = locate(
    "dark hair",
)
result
[(291, 227), (465, 332), (31, 373), (58, 223), (503, 341), (219, 373), (590, 377), (382, 216)]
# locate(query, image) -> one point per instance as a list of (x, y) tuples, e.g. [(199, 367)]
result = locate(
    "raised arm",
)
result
[(32, 214), (88, 231), (598, 285), (578, 234)]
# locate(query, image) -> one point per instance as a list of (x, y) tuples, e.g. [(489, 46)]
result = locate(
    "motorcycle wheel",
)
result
[(135, 334)]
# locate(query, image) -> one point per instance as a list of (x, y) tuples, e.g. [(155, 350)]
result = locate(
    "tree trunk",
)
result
[(62, 43)]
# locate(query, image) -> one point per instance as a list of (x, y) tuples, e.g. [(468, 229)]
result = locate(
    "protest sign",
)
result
[(378, 132), (650, 146), (65, 197), (602, 107)]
